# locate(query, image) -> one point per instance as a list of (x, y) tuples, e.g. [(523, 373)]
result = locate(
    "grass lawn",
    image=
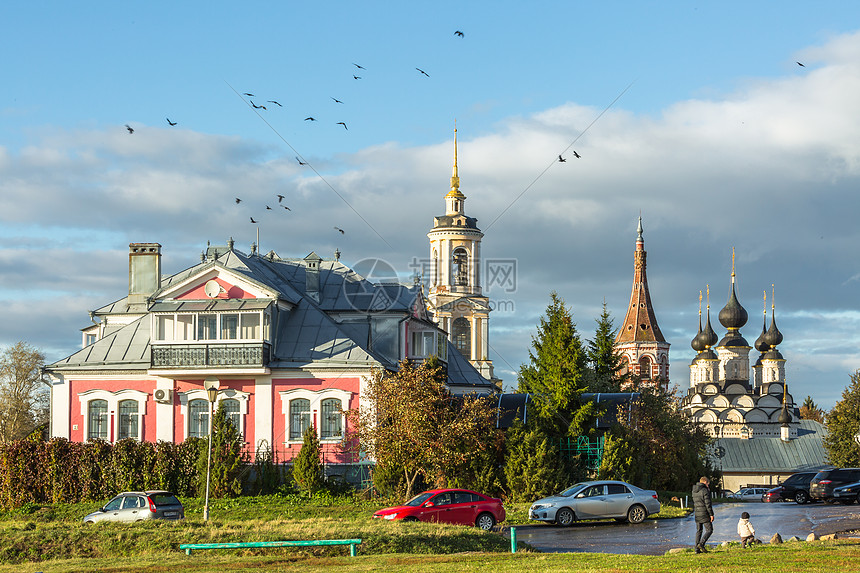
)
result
[(52, 538)]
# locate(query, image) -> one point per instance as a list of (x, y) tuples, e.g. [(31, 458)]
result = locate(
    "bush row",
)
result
[(60, 471)]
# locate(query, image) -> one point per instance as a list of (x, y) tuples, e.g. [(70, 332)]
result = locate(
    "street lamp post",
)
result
[(211, 385)]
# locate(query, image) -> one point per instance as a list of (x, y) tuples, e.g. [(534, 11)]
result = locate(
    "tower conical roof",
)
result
[(640, 322)]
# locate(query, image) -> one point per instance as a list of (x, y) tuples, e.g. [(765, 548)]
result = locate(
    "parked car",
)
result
[(596, 500), (139, 506), (796, 487), (773, 495), (458, 506), (750, 493), (847, 494), (822, 485)]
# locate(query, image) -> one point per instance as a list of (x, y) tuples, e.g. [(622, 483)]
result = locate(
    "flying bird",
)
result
[(281, 197), (274, 102), (336, 100), (356, 77), (300, 163), (575, 154), (343, 124), (285, 207), (128, 127), (359, 67), (255, 106), (799, 64), (310, 119), (561, 159), (238, 200), (423, 72), (458, 33), (268, 208), (249, 95), (252, 220), (339, 230), (172, 123)]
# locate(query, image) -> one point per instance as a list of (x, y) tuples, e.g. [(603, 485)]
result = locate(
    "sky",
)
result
[(695, 115)]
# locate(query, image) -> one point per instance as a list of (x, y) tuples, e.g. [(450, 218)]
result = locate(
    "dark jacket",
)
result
[(702, 503)]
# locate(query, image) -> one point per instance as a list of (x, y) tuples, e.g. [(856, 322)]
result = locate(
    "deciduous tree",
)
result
[(843, 427), (23, 392), (409, 420)]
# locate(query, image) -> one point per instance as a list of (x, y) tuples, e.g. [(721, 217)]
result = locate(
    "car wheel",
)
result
[(801, 497), (636, 514), (565, 517), (410, 519), (846, 501), (485, 521)]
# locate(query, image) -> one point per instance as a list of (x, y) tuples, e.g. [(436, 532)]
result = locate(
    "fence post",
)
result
[(513, 539)]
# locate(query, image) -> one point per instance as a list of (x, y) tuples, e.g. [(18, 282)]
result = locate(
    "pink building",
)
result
[(292, 343)]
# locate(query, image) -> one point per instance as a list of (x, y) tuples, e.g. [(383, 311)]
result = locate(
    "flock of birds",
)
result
[(263, 107)]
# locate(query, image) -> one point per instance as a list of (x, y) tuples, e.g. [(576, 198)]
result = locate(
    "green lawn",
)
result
[(53, 539)]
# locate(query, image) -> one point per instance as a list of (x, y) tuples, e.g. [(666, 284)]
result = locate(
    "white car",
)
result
[(596, 500), (750, 493)]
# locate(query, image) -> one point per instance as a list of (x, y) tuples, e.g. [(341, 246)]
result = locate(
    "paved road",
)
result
[(656, 536)]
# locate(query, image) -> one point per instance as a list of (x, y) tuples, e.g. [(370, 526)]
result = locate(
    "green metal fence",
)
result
[(589, 450)]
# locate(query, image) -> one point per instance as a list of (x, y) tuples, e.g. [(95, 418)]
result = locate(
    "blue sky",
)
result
[(721, 141)]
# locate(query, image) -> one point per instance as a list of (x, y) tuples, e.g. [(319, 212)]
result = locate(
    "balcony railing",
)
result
[(210, 355)]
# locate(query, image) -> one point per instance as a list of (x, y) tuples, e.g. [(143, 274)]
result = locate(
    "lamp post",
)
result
[(211, 385)]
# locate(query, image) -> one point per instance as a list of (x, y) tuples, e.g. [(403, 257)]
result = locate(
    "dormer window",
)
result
[(211, 326)]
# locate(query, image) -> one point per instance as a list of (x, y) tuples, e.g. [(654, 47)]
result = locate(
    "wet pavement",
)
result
[(656, 536)]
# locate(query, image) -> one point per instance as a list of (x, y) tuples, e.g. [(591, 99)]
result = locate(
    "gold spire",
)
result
[(733, 265), (765, 302), (455, 176), (772, 299), (708, 289), (700, 306)]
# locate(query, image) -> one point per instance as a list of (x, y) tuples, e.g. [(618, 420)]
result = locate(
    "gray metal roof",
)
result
[(329, 332), (805, 452)]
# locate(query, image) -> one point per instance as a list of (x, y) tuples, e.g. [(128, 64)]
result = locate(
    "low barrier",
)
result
[(353, 544)]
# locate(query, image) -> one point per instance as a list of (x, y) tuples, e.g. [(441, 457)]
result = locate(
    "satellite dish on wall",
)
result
[(212, 288)]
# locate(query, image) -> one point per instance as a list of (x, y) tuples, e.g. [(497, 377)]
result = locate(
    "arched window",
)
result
[(231, 408), (460, 267), (461, 332), (331, 419), (98, 420), (645, 368), (129, 421), (198, 418), (300, 417)]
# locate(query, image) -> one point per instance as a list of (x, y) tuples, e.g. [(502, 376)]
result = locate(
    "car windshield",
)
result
[(572, 490), (419, 499)]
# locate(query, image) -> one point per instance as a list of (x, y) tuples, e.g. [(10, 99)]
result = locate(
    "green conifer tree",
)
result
[(533, 465), (228, 458), (605, 362), (308, 471), (557, 373)]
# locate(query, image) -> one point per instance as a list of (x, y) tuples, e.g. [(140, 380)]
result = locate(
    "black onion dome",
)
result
[(709, 335), (773, 336), (697, 342), (760, 343), (733, 315)]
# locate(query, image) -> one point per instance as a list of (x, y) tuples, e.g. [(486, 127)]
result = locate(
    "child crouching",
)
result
[(746, 530)]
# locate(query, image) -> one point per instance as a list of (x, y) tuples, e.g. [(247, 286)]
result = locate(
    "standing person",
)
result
[(704, 513), (746, 530)]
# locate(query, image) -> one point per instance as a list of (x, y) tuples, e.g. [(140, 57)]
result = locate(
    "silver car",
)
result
[(596, 500), (139, 506)]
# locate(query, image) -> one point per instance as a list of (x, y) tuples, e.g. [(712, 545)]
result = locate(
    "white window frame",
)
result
[(113, 399), (200, 394), (315, 398)]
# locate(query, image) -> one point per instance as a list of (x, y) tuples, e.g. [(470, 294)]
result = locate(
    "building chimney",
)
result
[(144, 273), (312, 276)]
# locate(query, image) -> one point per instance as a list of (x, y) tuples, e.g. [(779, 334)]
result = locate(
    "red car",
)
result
[(458, 506)]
